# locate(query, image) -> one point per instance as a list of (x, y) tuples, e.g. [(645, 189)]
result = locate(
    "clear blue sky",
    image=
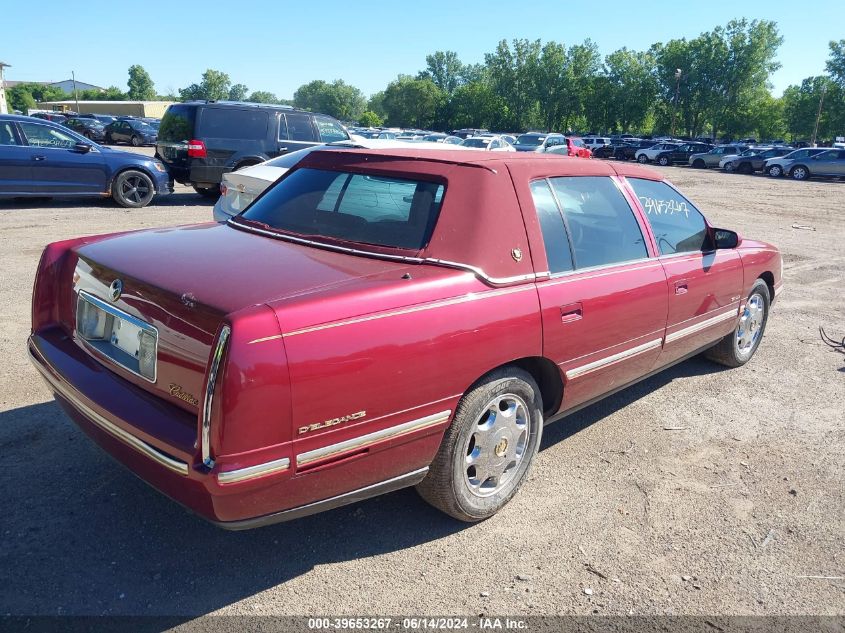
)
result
[(277, 45)]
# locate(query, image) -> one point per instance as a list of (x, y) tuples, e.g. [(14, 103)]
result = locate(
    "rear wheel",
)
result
[(133, 189), (800, 173), (739, 346), (488, 449), (642, 159)]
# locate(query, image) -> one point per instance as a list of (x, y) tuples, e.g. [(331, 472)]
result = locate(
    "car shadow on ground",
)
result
[(82, 536)]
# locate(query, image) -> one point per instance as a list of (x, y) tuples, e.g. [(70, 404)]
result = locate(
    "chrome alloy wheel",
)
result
[(497, 445), (750, 325)]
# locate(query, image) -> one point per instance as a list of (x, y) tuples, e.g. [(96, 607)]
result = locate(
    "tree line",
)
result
[(716, 84)]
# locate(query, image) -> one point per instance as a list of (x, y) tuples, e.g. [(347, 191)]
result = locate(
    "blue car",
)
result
[(42, 159)]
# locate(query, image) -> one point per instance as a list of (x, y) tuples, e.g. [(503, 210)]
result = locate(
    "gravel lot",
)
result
[(734, 514)]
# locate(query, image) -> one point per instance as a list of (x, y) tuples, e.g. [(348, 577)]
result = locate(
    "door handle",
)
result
[(39, 157), (283, 149), (681, 287), (571, 312)]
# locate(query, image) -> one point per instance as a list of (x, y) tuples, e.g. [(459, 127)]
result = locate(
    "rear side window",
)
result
[(330, 130), (558, 251), (392, 212), (601, 224), (234, 123), (177, 125), (677, 225), (7, 134), (300, 128)]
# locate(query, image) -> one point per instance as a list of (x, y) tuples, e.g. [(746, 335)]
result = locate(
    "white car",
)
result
[(649, 154), (239, 188), (488, 143), (595, 142)]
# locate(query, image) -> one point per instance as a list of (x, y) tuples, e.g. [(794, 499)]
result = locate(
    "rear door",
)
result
[(57, 166), (704, 285), (604, 304), (298, 132), (15, 161)]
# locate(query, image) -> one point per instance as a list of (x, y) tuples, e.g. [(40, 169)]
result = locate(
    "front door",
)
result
[(704, 284), (604, 305)]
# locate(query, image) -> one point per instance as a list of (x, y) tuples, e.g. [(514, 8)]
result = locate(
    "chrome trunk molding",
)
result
[(363, 441), (208, 398), (67, 392), (253, 472)]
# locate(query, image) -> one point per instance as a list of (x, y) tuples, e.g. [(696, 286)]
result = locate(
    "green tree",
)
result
[(412, 102), (141, 87), (476, 105), (836, 63), (260, 96), (801, 105), (444, 69), (369, 118), (238, 92), (214, 86), (376, 104), (513, 77), (337, 99), (29, 95), (630, 90)]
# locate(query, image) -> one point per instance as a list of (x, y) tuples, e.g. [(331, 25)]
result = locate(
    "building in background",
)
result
[(65, 85), (153, 109), (4, 109)]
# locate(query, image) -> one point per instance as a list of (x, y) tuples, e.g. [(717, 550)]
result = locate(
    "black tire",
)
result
[(107, 140), (448, 486), (775, 171), (745, 168), (136, 142), (799, 172), (729, 351), (642, 159), (730, 166), (133, 189), (699, 164), (208, 192), (663, 161)]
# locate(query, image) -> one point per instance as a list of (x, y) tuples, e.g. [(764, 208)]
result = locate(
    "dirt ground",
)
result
[(740, 512)]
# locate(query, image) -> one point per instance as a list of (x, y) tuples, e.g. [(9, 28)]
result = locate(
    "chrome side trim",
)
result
[(615, 358), (252, 472), (478, 272), (371, 438), (120, 314), (702, 325), (388, 485), (69, 393), (778, 289), (219, 348)]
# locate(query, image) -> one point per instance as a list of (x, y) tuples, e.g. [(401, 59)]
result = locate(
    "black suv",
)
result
[(681, 153), (199, 141)]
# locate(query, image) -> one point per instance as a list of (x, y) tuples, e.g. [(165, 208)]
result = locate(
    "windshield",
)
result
[(530, 139), (476, 142), (383, 211)]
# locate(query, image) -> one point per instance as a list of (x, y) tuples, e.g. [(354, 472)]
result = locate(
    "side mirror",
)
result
[(82, 148), (723, 238)]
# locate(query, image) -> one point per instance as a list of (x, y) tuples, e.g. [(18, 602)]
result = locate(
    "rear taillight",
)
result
[(196, 149)]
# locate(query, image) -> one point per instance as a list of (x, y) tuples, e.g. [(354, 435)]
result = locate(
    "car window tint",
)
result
[(300, 128), (601, 223), (43, 136), (7, 134), (330, 131), (178, 123), (677, 225), (555, 240), (233, 123)]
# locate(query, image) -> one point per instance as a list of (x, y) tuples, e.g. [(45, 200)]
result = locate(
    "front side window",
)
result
[(602, 226), (300, 128), (558, 251), (677, 225), (330, 131), (376, 210), (44, 136)]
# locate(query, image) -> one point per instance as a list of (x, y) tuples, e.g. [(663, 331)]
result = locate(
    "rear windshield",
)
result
[(234, 124), (177, 125), (476, 142), (314, 203), (530, 139)]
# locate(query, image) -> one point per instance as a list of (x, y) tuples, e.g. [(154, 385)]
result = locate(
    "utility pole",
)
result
[(75, 93), (677, 95), (819, 114)]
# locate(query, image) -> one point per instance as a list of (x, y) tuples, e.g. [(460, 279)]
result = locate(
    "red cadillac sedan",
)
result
[(387, 318)]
